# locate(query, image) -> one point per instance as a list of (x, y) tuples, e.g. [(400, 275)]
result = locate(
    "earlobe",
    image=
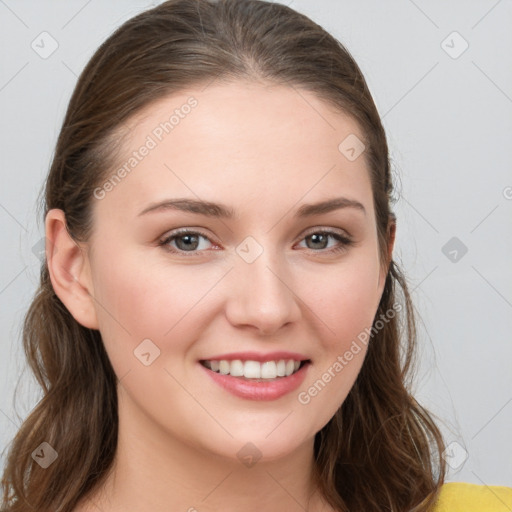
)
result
[(68, 267)]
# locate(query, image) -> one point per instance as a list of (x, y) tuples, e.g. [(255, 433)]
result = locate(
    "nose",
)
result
[(263, 295)]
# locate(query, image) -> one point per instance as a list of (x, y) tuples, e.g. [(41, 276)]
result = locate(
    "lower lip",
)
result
[(252, 390)]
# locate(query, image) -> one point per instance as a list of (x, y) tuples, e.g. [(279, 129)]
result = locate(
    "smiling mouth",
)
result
[(255, 371)]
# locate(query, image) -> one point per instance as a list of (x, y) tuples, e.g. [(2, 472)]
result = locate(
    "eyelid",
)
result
[(319, 229), (185, 231)]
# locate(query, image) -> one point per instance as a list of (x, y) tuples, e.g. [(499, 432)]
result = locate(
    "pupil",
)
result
[(317, 236), (187, 244)]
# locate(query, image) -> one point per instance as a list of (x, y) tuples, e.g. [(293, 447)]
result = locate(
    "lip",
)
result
[(253, 390), (257, 356)]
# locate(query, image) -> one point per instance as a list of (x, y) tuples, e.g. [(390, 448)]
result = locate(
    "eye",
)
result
[(320, 238), (187, 241)]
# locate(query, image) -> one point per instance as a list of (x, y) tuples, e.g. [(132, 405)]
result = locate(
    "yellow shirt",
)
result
[(464, 497)]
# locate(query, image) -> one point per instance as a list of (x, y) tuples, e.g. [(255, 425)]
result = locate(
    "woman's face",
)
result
[(261, 282)]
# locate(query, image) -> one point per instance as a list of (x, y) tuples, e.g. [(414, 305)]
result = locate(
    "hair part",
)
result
[(381, 451)]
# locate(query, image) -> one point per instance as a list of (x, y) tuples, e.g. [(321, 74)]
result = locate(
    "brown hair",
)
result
[(381, 450)]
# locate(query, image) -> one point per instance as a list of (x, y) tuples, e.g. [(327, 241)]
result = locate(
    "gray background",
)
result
[(448, 116)]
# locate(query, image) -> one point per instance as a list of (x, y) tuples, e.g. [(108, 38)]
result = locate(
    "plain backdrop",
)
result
[(441, 76)]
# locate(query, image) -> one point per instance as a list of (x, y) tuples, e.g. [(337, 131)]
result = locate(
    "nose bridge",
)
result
[(264, 297)]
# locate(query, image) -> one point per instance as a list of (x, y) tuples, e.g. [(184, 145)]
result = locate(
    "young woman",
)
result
[(220, 324)]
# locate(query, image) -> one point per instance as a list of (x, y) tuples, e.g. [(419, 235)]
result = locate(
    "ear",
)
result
[(69, 270), (391, 236), (391, 243)]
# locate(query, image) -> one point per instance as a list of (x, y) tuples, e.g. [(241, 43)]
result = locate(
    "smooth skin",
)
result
[(264, 151)]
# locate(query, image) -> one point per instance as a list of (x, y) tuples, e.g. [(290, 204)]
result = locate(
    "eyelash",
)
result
[(345, 242)]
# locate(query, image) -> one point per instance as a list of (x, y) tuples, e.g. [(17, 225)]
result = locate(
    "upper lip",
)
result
[(257, 356)]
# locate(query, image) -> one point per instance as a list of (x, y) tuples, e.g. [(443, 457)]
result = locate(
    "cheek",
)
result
[(345, 297), (345, 301), (137, 300)]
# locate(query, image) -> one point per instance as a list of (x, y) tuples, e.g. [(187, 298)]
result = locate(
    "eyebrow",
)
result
[(218, 210)]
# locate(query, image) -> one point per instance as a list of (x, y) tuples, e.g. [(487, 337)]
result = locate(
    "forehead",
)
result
[(239, 108), (240, 143)]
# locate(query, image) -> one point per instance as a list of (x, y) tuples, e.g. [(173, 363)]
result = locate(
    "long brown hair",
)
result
[(381, 451)]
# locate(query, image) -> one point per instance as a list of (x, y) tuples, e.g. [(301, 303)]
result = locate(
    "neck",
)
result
[(155, 471)]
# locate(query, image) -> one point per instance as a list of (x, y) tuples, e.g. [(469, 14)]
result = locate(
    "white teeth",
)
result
[(224, 367), (236, 368), (254, 369), (269, 370)]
